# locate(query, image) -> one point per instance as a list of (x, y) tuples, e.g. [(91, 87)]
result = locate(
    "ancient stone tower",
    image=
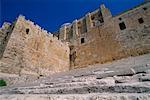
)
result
[(99, 37), (26, 48)]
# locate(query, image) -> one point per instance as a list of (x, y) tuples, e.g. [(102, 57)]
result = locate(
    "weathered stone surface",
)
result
[(31, 50), (78, 97), (65, 86), (145, 78), (5, 33), (25, 48), (29, 53), (104, 41)]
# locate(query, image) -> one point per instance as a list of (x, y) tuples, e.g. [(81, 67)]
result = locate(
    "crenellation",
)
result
[(6, 25), (21, 18), (82, 25), (38, 27), (32, 23), (42, 30), (50, 34)]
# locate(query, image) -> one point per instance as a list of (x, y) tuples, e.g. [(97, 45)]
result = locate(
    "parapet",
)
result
[(42, 30), (21, 17), (5, 25)]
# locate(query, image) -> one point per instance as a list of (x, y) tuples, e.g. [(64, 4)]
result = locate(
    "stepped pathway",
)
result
[(126, 79)]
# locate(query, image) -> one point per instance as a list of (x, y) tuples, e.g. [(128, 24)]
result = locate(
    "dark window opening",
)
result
[(5, 38), (141, 20), (27, 31), (70, 57), (122, 26), (41, 75), (58, 36), (120, 18), (82, 40), (144, 8), (73, 56), (93, 18)]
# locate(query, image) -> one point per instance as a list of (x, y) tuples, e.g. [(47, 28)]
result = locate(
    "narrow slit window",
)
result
[(82, 40), (120, 18), (122, 26), (144, 8), (27, 31), (141, 20)]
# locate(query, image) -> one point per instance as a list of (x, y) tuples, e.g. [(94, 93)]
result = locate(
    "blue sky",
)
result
[(51, 14)]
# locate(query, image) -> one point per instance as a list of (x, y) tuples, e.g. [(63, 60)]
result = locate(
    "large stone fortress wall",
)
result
[(32, 50), (99, 37)]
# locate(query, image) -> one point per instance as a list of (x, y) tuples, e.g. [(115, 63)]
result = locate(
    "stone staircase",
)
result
[(126, 79)]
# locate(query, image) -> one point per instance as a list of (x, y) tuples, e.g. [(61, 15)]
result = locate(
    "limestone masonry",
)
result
[(28, 49), (96, 57), (98, 37)]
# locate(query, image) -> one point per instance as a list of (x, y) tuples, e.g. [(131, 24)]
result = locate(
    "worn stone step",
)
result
[(84, 90), (95, 96), (124, 72)]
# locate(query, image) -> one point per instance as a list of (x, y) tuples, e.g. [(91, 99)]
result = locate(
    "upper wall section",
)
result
[(77, 29), (124, 35), (70, 32), (32, 50)]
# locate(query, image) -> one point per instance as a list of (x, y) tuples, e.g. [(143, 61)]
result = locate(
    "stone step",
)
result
[(82, 90), (145, 78), (124, 72), (95, 96)]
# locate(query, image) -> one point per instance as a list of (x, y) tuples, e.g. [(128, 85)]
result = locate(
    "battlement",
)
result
[(85, 24), (37, 28), (5, 26), (94, 19)]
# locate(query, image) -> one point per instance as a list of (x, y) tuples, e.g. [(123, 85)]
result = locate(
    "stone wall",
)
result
[(109, 42), (5, 33), (32, 50), (98, 37)]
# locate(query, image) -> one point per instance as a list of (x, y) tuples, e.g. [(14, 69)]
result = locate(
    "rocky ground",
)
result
[(126, 79)]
